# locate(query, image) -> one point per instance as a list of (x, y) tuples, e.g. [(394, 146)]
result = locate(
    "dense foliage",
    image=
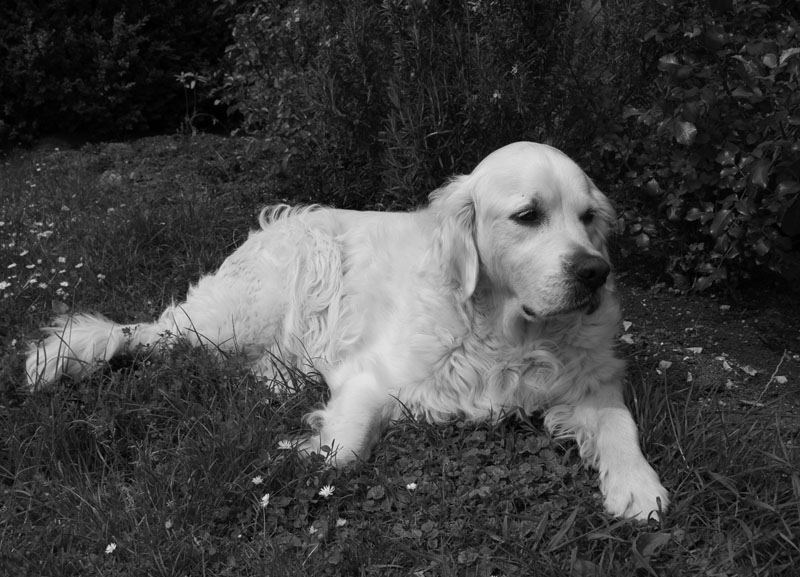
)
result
[(716, 146), (398, 95), (102, 69)]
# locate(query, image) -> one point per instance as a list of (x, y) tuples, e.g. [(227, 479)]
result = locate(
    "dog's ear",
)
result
[(605, 221), (454, 241)]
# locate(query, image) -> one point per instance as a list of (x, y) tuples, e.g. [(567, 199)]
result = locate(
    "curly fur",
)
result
[(495, 298)]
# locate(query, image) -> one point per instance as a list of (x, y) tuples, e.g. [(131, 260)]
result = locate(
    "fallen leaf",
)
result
[(649, 544), (664, 365), (781, 380), (749, 370), (628, 339), (626, 325), (695, 350)]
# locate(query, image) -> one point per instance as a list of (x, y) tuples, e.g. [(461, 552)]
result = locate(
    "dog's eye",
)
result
[(529, 216), (588, 217)]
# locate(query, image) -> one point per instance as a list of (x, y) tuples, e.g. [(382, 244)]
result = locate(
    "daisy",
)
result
[(265, 501), (284, 445), (110, 548), (257, 480), (326, 491), (411, 486)]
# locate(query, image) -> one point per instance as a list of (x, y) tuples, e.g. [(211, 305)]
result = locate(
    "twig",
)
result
[(771, 378)]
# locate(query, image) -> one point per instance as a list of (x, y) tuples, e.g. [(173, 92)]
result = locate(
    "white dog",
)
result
[(496, 297)]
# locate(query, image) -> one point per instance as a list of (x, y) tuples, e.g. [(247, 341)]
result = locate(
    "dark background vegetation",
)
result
[(685, 111)]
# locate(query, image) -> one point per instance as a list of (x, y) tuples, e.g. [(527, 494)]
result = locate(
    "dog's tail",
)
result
[(76, 344)]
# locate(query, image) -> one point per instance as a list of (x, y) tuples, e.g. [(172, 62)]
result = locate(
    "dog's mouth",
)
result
[(585, 306)]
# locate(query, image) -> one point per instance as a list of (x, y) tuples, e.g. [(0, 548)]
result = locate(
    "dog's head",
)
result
[(530, 224)]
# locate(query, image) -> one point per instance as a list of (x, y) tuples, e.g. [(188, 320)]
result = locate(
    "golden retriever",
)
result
[(496, 297)]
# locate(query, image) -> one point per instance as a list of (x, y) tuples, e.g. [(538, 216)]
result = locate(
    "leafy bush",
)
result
[(716, 146), (399, 95), (101, 68)]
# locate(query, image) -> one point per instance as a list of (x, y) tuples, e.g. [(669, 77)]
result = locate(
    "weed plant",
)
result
[(181, 463)]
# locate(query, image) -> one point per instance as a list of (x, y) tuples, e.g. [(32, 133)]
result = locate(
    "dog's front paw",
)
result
[(635, 493)]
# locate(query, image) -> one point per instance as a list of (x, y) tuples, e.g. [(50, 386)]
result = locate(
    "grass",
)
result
[(177, 466)]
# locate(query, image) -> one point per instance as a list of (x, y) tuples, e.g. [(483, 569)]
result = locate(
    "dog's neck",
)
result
[(494, 314)]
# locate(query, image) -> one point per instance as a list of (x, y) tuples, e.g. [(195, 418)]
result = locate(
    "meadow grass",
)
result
[(181, 464)]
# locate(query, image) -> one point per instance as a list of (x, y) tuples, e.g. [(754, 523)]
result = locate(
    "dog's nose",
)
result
[(591, 270)]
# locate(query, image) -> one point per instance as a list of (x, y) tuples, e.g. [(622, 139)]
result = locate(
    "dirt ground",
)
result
[(744, 350)]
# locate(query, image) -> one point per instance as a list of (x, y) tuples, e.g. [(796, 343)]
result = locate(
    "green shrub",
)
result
[(103, 69), (716, 148), (396, 96)]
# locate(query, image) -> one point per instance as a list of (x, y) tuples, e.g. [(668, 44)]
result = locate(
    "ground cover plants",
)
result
[(179, 464)]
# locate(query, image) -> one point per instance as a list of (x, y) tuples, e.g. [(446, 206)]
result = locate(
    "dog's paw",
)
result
[(635, 493)]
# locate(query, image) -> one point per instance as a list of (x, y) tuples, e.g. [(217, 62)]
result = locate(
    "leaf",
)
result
[(759, 173), (787, 187), (694, 214), (749, 370), (786, 54), (684, 132), (629, 111), (726, 157), (740, 92), (721, 220), (584, 568), (649, 544), (652, 187), (703, 282), (762, 246), (668, 62), (770, 60), (376, 493)]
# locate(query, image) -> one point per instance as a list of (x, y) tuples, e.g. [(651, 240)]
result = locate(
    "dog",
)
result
[(496, 297)]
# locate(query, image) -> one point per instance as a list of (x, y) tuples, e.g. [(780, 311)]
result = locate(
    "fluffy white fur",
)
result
[(496, 297)]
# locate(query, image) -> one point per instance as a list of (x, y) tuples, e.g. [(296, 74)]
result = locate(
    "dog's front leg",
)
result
[(609, 442), (349, 425)]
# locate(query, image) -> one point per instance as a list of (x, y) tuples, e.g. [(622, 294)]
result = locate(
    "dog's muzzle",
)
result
[(590, 270)]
